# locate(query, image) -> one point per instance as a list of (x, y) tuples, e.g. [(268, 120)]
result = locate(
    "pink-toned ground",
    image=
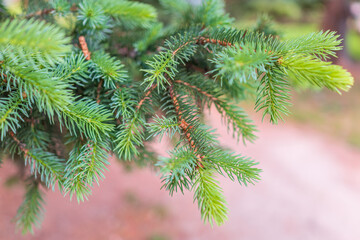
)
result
[(310, 189)]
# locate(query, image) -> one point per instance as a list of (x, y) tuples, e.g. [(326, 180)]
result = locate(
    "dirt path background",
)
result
[(310, 189)]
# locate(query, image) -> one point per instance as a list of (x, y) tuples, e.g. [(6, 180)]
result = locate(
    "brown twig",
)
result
[(84, 47), (40, 13), (22, 146), (198, 89), (146, 96), (87, 54), (98, 90), (185, 126), (203, 41)]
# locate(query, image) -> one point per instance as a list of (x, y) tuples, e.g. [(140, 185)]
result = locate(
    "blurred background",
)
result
[(310, 187)]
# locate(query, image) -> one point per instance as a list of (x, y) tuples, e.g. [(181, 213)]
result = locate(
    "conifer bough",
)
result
[(83, 80)]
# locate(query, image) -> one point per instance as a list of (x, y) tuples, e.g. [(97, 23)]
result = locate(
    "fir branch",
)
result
[(240, 121), (211, 201), (185, 126), (273, 96), (45, 42), (47, 165), (124, 102), (177, 170), (232, 166), (129, 136), (211, 97), (233, 115), (318, 44), (130, 13), (243, 62), (163, 66), (11, 109), (29, 214), (211, 13), (86, 117), (107, 69), (38, 85), (163, 126), (84, 168), (306, 70), (146, 96), (74, 69)]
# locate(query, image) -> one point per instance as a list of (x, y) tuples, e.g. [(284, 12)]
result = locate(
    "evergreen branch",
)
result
[(86, 117), (163, 126), (211, 13), (129, 136), (204, 40), (273, 95), (130, 13), (306, 70), (318, 44), (45, 42), (30, 212), (163, 65), (234, 115), (74, 69), (177, 170), (185, 126), (40, 87), (124, 102), (233, 166), (211, 97), (47, 165), (92, 16), (243, 62), (10, 109), (85, 167), (34, 134), (145, 97), (211, 201), (237, 117), (107, 69)]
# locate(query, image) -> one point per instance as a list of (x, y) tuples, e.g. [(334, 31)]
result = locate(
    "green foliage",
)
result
[(130, 135), (163, 126), (210, 199), (47, 165), (273, 96), (38, 85), (38, 39), (10, 113), (177, 171), (64, 108), (241, 63), (107, 69), (233, 166), (86, 118), (163, 66), (314, 72), (85, 167), (30, 211), (130, 13)]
